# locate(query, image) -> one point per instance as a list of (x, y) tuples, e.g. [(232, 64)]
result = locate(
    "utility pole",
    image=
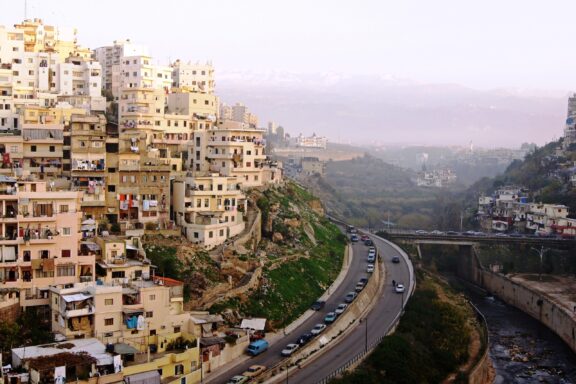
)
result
[(461, 220)]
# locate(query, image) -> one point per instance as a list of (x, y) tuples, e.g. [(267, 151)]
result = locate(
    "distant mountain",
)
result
[(383, 109)]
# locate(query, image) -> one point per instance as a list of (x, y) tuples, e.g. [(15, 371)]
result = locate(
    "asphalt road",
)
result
[(380, 319), (272, 356)]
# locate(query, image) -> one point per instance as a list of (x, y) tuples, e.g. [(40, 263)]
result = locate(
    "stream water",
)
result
[(522, 349)]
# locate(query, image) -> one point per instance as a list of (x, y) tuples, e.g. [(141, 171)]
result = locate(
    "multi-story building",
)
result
[(112, 55), (313, 141), (209, 209), (239, 113), (140, 72), (195, 77), (40, 230), (570, 128)]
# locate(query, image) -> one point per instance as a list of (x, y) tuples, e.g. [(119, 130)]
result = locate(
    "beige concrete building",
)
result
[(196, 77), (40, 233), (209, 209)]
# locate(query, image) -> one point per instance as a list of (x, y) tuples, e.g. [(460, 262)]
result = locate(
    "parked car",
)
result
[(340, 309), (257, 335), (370, 268), (238, 380), (350, 296), (399, 288), (330, 317), (354, 238), (318, 305), (372, 251), (254, 370), (368, 242), (421, 232), (305, 338), (500, 235), (290, 349), (359, 286), (318, 329), (371, 258), (395, 259), (257, 347), (363, 280), (436, 232)]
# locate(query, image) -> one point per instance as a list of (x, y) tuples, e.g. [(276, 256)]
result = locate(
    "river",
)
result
[(522, 349)]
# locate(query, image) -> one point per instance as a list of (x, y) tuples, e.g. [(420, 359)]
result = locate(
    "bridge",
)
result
[(473, 239)]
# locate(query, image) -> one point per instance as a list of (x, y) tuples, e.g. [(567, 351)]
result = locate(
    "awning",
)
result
[(131, 311), (76, 297), (91, 246), (131, 247), (258, 324), (89, 222), (124, 349), (88, 227), (150, 377)]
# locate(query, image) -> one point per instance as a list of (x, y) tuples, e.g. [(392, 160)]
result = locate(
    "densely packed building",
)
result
[(508, 209), (157, 151)]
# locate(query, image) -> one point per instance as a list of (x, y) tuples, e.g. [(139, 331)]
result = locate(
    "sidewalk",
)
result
[(273, 338)]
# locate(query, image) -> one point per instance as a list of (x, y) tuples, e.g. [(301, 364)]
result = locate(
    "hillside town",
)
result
[(99, 146)]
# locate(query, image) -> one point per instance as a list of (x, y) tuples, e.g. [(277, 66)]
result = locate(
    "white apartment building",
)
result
[(111, 55), (195, 77), (140, 72)]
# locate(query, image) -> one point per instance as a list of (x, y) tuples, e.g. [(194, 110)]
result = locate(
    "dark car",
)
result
[(368, 242), (395, 259), (305, 338), (318, 305)]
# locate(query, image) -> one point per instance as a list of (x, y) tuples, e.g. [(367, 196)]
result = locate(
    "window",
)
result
[(152, 297), (219, 187), (111, 188), (206, 203), (196, 236), (152, 332), (179, 369), (64, 208), (66, 231), (66, 270), (210, 234), (118, 274), (149, 314), (221, 232), (52, 148), (66, 253), (108, 301), (109, 321), (33, 148)]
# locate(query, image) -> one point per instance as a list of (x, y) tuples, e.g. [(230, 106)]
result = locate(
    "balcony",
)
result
[(88, 310)]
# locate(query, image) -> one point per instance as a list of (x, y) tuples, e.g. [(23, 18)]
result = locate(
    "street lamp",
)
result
[(540, 252)]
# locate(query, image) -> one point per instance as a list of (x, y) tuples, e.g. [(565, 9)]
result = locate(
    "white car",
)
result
[(372, 252), (370, 268), (289, 350), (318, 329), (399, 288), (340, 308)]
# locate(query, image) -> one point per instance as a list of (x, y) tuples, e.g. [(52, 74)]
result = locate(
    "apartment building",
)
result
[(570, 127), (196, 77), (209, 209), (239, 113), (140, 72), (111, 55), (40, 230)]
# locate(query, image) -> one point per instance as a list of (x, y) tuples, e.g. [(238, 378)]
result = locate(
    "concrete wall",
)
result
[(534, 303)]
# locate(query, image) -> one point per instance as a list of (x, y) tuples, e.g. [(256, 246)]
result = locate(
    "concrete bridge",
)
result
[(470, 239)]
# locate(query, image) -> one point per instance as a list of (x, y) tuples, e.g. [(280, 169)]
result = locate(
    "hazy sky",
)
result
[(482, 44)]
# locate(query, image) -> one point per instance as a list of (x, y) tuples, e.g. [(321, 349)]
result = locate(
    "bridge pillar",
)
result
[(468, 265), (419, 251)]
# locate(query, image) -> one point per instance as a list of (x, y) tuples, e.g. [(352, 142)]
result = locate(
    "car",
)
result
[(318, 305), (452, 233), (371, 258), (238, 380), (395, 259), (372, 251), (290, 349), (470, 233), (421, 232), (254, 370), (500, 235), (368, 242), (354, 238), (481, 234), (305, 338), (350, 296), (330, 317), (359, 286), (257, 347), (515, 235), (437, 233), (340, 309), (370, 268), (363, 280), (318, 329), (399, 288), (364, 237)]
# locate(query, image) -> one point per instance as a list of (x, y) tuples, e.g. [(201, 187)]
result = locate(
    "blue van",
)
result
[(257, 347)]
